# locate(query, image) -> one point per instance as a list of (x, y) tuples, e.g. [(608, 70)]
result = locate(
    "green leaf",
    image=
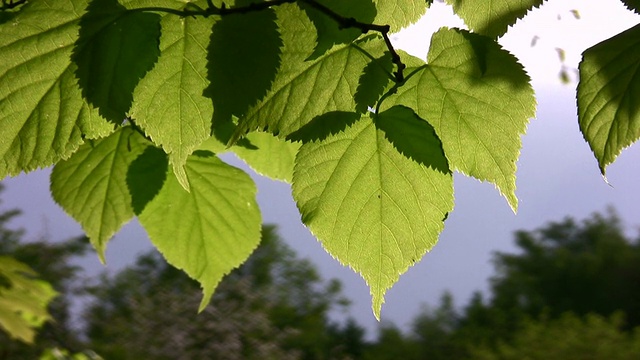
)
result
[(303, 90), (492, 18), (409, 134), (373, 81), (330, 32), (479, 100), (322, 126), (271, 157), (146, 176), (169, 102), (114, 50), (42, 114), (210, 230), (91, 185), (23, 303), (371, 207), (399, 13), (608, 92), (242, 66)]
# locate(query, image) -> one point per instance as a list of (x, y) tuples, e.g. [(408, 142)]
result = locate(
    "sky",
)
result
[(557, 177)]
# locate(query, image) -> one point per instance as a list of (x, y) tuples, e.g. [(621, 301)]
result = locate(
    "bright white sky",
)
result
[(557, 175)]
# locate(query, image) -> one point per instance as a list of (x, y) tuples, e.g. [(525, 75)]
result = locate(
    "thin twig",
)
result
[(214, 10), (399, 74), (343, 22)]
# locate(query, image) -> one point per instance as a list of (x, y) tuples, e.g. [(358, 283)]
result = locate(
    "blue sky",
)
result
[(557, 176)]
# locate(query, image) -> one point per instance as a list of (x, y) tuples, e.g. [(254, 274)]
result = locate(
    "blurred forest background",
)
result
[(572, 291)]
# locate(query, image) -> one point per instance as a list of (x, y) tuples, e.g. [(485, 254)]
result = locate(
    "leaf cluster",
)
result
[(133, 101)]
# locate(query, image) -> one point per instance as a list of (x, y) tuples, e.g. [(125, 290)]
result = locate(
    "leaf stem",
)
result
[(365, 53), (395, 87)]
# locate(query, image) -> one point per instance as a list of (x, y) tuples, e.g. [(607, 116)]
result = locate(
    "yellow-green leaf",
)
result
[(479, 100), (373, 208)]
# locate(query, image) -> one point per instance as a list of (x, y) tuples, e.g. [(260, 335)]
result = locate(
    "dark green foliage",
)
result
[(274, 306), (587, 267), (54, 263), (568, 337)]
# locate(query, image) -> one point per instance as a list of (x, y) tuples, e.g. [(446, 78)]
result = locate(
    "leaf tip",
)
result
[(101, 256), (513, 202), (377, 299), (100, 246), (207, 293), (604, 177), (206, 299)]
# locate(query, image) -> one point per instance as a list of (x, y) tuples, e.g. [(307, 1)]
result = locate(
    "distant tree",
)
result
[(392, 344), (53, 263), (432, 330), (580, 267), (568, 337), (273, 307), (349, 339)]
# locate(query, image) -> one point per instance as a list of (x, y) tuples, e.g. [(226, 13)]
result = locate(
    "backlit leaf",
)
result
[(322, 126), (491, 18), (271, 157), (410, 135), (115, 49), (478, 98), (372, 208), (608, 93), (303, 90), (91, 185), (169, 102), (241, 66), (42, 114), (210, 230), (329, 31), (374, 79), (399, 13)]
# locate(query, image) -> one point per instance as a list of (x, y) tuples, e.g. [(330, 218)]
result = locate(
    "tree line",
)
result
[(572, 291)]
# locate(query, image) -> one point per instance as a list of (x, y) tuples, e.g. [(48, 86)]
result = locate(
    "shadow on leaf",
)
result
[(607, 95), (114, 50), (203, 154), (243, 59), (373, 81), (8, 15), (145, 177), (413, 137), (323, 126), (498, 21), (493, 62), (330, 32)]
